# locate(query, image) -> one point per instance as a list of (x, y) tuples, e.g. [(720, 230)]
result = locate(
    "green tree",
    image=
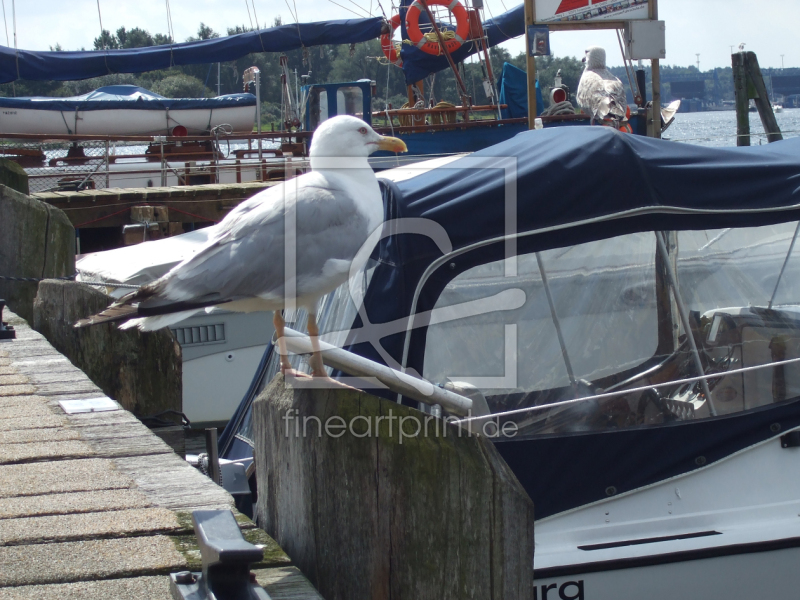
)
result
[(181, 86)]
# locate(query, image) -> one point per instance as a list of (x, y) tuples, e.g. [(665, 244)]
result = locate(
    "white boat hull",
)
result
[(771, 574), (729, 530), (123, 121)]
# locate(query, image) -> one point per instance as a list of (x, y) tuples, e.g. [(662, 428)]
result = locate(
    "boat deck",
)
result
[(95, 505), (111, 207)]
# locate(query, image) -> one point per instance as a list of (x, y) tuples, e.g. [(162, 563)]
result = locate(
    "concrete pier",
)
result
[(93, 505)]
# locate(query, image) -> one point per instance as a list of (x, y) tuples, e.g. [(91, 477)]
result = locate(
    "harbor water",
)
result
[(719, 128)]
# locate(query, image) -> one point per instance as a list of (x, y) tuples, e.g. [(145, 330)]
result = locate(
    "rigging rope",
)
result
[(255, 17), (102, 39), (643, 388), (247, 6), (625, 62), (8, 41), (171, 33), (344, 7)]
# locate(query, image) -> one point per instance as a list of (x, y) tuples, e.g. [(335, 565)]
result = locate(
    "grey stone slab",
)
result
[(169, 481), (64, 376), (32, 422), (88, 560), (86, 526), (130, 588), (72, 503), (27, 409), (284, 583), (51, 363), (8, 370), (40, 451), (60, 388), (16, 379), (33, 479), (48, 434), (17, 390), (23, 400), (95, 419)]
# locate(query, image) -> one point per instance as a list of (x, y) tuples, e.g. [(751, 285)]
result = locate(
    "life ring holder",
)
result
[(422, 41), (390, 51)]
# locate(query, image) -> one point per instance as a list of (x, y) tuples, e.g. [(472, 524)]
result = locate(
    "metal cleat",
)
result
[(6, 331), (226, 556)]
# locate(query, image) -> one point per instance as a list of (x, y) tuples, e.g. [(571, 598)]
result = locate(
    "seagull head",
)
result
[(349, 137), (595, 58)]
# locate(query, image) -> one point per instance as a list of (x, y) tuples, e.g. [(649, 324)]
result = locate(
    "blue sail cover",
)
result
[(65, 66), (418, 64), (126, 97)]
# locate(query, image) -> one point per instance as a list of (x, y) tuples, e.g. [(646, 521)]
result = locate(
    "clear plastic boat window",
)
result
[(622, 328)]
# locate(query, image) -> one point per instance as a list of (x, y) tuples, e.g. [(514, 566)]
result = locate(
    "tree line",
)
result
[(331, 63)]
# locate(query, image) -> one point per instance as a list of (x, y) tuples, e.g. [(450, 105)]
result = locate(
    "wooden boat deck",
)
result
[(111, 207), (95, 505)]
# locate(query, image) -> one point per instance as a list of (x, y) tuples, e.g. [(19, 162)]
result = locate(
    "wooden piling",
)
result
[(748, 83), (368, 513), (763, 103)]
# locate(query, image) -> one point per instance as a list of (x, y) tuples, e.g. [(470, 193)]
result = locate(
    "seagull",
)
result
[(242, 266), (599, 91)]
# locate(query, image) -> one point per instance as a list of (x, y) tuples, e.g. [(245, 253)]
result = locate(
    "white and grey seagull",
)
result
[(242, 266), (600, 93)]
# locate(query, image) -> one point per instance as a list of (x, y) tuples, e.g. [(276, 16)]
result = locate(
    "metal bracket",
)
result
[(226, 557), (790, 440), (6, 331)]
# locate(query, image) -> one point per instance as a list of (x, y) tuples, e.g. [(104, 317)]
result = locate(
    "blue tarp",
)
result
[(64, 66), (129, 97), (513, 86), (418, 64)]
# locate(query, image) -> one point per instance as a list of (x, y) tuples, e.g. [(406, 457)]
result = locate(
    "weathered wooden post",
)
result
[(742, 99), (377, 500), (748, 83)]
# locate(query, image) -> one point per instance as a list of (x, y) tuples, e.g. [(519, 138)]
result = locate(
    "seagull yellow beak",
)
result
[(392, 144)]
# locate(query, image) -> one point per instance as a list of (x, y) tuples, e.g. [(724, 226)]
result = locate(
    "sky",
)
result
[(707, 27)]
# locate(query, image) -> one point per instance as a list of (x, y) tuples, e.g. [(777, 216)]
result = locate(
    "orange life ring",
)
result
[(419, 40), (388, 47)]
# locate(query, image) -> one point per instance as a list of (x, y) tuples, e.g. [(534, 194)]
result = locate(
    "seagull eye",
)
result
[(362, 130)]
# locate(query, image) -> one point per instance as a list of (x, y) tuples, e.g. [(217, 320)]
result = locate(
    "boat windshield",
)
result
[(604, 319)]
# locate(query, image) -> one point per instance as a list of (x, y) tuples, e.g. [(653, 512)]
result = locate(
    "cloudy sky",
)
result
[(707, 27)]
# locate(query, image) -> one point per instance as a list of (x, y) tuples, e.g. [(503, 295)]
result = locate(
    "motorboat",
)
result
[(636, 338), (126, 110)]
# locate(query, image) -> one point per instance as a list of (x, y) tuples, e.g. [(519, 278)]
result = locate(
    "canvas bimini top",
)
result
[(129, 97), (569, 186)]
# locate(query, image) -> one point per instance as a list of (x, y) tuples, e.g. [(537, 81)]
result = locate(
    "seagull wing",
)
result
[(245, 257), (602, 94)]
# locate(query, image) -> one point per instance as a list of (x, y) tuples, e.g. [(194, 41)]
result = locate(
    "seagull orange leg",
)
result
[(317, 368), (280, 324)]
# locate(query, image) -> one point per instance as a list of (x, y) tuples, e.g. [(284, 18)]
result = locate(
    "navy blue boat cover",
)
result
[(572, 185), (64, 66), (129, 97)]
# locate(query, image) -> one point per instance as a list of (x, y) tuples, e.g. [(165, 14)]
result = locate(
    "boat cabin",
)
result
[(352, 98)]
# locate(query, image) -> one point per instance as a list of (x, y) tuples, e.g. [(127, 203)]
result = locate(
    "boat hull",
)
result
[(123, 121), (768, 574)]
